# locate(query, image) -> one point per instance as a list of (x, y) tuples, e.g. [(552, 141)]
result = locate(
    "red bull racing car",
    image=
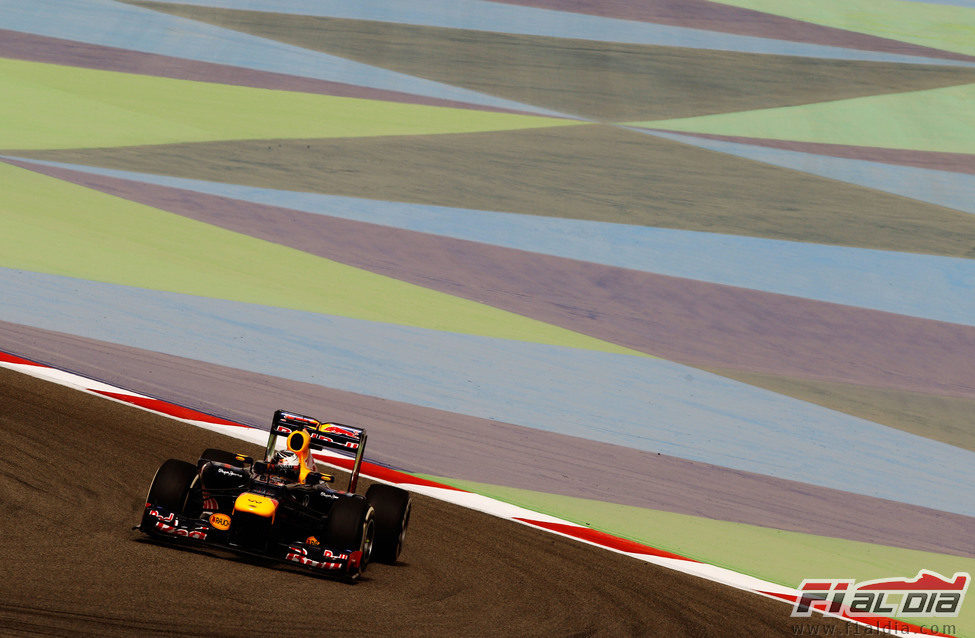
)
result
[(281, 507)]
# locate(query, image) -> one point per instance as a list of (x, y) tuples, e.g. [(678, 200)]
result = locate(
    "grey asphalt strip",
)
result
[(447, 444)]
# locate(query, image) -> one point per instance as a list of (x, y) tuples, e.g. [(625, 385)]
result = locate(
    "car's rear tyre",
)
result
[(350, 525), (173, 487), (220, 456), (393, 506)]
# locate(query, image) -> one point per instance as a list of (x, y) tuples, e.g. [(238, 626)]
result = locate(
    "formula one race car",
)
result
[(281, 508)]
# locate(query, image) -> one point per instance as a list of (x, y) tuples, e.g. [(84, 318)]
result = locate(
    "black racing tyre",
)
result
[(393, 506), (350, 525), (173, 486), (220, 456)]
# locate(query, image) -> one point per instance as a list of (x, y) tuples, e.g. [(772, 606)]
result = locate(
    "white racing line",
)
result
[(457, 496)]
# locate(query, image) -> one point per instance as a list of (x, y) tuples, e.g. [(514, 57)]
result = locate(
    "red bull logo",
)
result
[(338, 429)]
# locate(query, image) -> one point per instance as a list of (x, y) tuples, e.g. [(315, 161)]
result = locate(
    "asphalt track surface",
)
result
[(76, 468)]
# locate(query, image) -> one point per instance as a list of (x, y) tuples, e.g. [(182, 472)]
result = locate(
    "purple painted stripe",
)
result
[(682, 320), (36, 48), (940, 161), (711, 16), (465, 447)]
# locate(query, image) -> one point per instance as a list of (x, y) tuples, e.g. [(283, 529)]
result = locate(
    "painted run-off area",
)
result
[(681, 411), (903, 283), (949, 26), (73, 107), (608, 83), (118, 25), (952, 189), (875, 121), (796, 39), (611, 303), (157, 250), (618, 176)]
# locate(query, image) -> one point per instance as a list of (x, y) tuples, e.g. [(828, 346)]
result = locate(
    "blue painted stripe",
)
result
[(115, 24), (926, 286), (505, 18), (944, 188), (638, 402)]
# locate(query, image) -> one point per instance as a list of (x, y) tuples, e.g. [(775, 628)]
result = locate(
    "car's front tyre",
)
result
[(350, 525), (172, 487)]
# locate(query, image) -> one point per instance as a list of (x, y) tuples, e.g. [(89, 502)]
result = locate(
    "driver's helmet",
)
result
[(285, 463)]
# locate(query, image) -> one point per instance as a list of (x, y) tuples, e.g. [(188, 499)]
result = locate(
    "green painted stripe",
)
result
[(59, 228), (934, 120), (945, 27), (775, 555), (52, 106)]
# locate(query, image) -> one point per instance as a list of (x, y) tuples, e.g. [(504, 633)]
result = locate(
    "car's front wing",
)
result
[(159, 522)]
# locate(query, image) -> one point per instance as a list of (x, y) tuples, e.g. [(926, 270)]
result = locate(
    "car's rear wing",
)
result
[(346, 439)]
